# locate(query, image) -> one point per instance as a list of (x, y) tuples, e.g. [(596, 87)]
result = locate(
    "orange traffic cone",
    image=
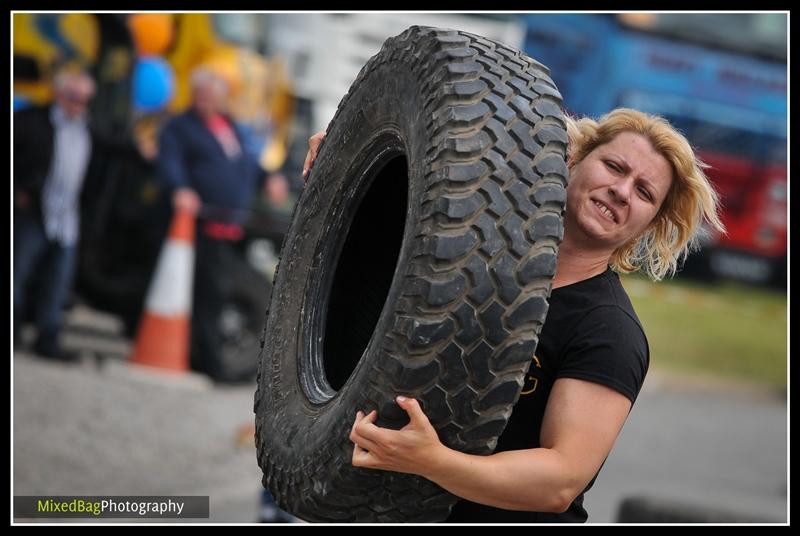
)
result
[(163, 336)]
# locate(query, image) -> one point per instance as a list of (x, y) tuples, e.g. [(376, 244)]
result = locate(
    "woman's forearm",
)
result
[(532, 480)]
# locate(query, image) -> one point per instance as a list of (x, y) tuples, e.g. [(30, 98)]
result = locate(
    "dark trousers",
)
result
[(212, 282), (54, 267)]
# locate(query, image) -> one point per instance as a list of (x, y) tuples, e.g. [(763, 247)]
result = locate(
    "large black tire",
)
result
[(419, 262)]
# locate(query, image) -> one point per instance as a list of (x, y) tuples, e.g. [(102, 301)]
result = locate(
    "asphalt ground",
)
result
[(106, 427)]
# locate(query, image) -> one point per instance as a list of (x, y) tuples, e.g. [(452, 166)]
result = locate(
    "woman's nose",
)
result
[(621, 191)]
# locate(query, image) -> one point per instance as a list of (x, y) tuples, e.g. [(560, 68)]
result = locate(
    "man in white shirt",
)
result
[(52, 149)]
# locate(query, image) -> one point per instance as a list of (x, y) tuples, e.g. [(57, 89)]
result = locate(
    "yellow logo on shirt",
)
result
[(531, 381)]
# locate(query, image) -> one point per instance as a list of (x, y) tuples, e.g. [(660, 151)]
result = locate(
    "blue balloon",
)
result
[(21, 102), (153, 84)]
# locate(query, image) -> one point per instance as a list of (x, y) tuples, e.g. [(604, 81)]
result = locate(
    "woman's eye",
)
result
[(646, 193), (613, 166)]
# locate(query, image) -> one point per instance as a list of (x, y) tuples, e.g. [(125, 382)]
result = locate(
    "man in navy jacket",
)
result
[(204, 163)]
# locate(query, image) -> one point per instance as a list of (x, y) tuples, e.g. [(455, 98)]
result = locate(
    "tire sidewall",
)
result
[(390, 117)]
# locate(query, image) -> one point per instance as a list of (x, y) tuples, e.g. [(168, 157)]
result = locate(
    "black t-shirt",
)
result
[(591, 333)]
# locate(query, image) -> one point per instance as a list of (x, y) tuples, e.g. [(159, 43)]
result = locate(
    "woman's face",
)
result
[(615, 192)]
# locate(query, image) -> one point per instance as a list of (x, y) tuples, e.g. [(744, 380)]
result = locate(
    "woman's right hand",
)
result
[(313, 147)]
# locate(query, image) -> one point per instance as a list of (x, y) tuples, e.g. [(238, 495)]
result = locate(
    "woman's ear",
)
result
[(570, 164), (570, 160)]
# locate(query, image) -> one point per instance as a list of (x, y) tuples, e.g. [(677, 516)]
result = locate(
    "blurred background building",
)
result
[(720, 78)]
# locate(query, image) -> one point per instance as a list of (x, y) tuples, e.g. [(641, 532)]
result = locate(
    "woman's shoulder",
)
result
[(615, 291), (600, 297)]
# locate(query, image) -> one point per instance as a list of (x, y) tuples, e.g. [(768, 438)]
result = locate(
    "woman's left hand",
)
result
[(412, 449)]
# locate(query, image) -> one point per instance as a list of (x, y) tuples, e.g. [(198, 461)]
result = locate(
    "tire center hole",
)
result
[(364, 271)]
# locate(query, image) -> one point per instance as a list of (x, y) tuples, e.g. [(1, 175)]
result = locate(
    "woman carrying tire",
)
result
[(636, 197), (457, 350)]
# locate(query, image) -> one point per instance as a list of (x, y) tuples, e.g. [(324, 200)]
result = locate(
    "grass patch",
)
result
[(726, 330)]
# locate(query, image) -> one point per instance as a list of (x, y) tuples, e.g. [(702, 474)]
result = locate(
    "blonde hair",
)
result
[(690, 201)]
